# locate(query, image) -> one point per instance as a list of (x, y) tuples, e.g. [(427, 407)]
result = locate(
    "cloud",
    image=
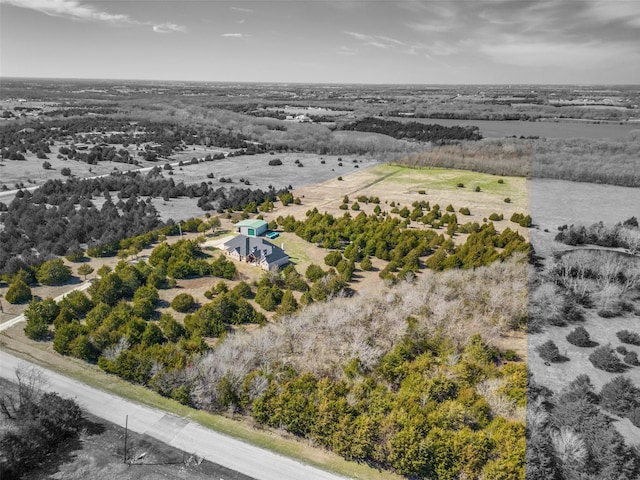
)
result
[(168, 28), (243, 10), (75, 10), (233, 35), (377, 41), (344, 50)]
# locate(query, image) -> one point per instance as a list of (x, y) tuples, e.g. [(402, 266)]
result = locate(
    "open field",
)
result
[(542, 128), (401, 185)]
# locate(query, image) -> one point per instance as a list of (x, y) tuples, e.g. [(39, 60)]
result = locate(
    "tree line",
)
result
[(414, 130)]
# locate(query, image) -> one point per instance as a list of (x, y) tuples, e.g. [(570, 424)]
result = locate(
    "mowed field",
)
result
[(401, 185)]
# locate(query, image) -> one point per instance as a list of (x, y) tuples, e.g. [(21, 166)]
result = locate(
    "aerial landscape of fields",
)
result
[(251, 274)]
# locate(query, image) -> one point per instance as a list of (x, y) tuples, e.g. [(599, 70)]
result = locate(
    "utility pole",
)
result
[(126, 428)]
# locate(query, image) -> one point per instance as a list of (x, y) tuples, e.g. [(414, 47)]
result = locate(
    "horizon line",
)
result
[(254, 82)]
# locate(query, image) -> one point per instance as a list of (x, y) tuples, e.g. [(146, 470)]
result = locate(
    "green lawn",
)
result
[(448, 179)]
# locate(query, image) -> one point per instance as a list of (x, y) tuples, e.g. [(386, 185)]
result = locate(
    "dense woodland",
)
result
[(411, 392), (414, 130), (60, 217)]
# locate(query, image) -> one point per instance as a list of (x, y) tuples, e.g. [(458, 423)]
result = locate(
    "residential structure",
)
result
[(256, 251)]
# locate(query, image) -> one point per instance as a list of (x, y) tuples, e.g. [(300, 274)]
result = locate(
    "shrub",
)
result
[(53, 272), (183, 303), (622, 350), (620, 396), (355, 206), (275, 162), (422, 192), (549, 351), (46, 165), (625, 336), (365, 264), (460, 185), (507, 200), (477, 189), (495, 217), (465, 211), (66, 172), (501, 181), (605, 359), (579, 337), (340, 178), (631, 358), (332, 259), (19, 292)]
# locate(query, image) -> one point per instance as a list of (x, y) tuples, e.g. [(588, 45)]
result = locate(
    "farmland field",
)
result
[(547, 129)]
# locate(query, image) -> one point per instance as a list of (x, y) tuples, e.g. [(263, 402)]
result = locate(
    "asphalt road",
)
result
[(175, 431)]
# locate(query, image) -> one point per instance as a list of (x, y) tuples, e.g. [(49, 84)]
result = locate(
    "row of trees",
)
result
[(414, 130)]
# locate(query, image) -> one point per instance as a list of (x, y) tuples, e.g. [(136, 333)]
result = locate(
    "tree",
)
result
[(19, 292), (288, 304), (36, 328), (183, 303), (46, 165), (53, 272), (620, 396), (579, 337), (606, 359), (549, 351), (66, 172), (366, 264), (85, 269)]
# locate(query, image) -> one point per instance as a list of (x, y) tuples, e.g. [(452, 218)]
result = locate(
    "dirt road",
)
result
[(175, 431)]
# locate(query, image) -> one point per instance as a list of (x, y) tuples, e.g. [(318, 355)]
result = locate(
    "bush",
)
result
[(332, 259), (620, 396), (275, 162), (460, 185), (465, 211), (625, 336), (579, 337), (53, 272), (66, 172), (183, 303), (495, 217), (314, 272), (501, 181), (549, 351), (19, 292), (631, 358), (478, 189), (507, 200), (605, 359), (46, 165)]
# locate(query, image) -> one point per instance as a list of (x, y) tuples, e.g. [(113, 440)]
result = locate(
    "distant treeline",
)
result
[(613, 162), (414, 130), (488, 156), (60, 216)]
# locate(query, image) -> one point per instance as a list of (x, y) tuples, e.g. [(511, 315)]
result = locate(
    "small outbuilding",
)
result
[(252, 228), (256, 251)]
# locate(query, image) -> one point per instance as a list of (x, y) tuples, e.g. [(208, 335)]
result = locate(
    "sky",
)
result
[(325, 41)]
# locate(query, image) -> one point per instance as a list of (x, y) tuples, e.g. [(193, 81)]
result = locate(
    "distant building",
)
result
[(256, 251), (252, 228)]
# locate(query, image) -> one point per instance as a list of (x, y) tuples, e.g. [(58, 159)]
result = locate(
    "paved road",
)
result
[(175, 431), (20, 318)]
